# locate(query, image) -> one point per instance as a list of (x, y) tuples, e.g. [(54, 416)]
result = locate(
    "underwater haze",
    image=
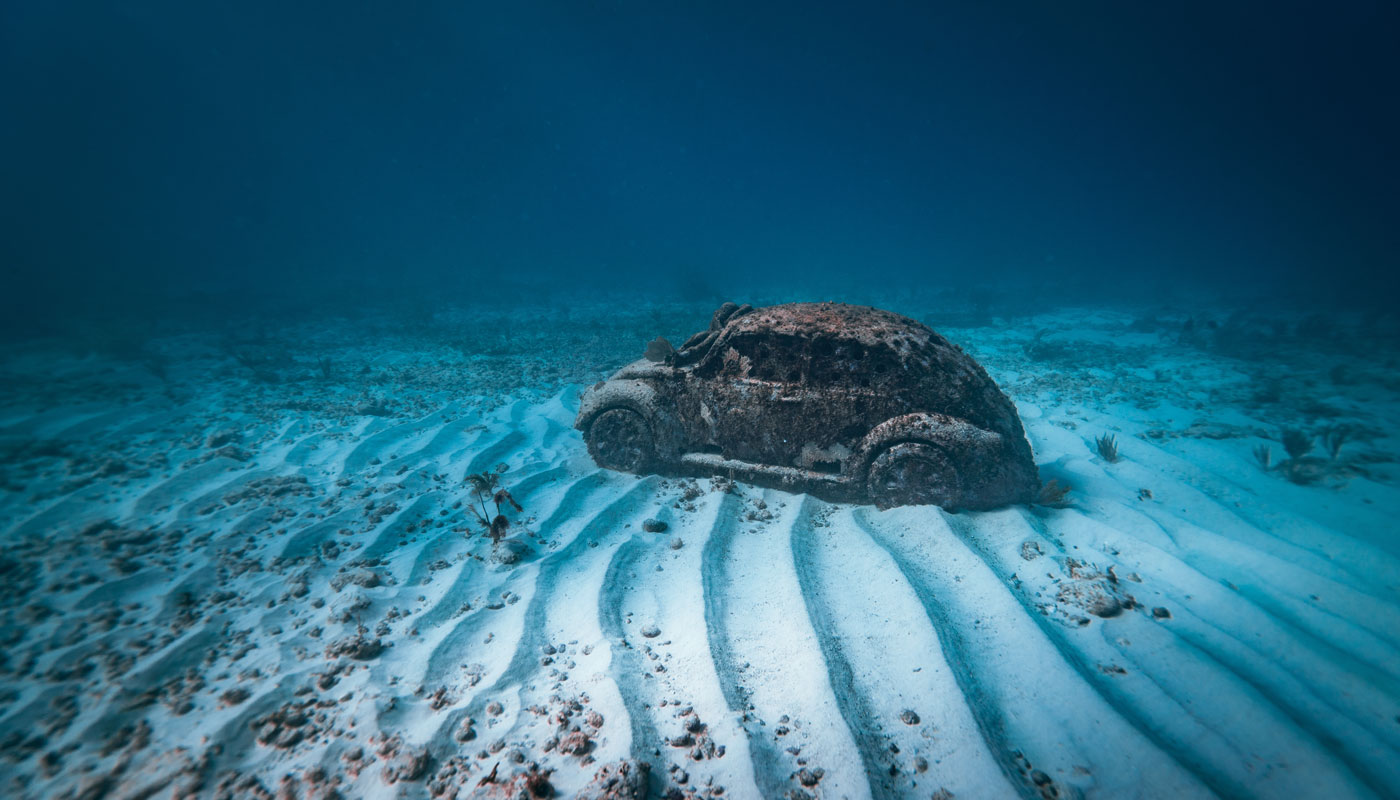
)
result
[(467, 400), (158, 150)]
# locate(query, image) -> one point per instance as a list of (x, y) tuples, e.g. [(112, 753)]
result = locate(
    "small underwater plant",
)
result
[(264, 358), (1040, 350), (486, 486), (1052, 494), (1107, 445), (1302, 471), (370, 406), (262, 367), (1334, 437), (1264, 454), (1296, 443), (1299, 468)]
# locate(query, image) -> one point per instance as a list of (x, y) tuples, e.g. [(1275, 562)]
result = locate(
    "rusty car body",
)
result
[(847, 403)]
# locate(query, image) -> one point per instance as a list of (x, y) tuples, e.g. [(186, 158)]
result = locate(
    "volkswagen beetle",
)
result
[(847, 403)]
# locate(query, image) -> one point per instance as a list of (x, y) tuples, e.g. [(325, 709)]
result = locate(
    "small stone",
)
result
[(510, 551), (411, 764), (1104, 605), (234, 696), (574, 743), (652, 525), (357, 647), (288, 737), (908, 717), (465, 732), (1161, 613), (222, 437), (622, 780), (651, 631)]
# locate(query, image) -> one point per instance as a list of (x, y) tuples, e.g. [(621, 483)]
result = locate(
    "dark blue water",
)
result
[(162, 157)]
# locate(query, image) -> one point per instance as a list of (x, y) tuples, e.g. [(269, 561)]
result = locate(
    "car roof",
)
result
[(869, 326)]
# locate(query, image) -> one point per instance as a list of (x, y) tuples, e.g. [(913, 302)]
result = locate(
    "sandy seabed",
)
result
[(245, 565)]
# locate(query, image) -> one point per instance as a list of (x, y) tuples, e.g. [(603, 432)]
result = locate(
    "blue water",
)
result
[(161, 156), (277, 278)]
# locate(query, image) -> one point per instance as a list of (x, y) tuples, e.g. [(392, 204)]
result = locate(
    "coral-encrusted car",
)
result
[(848, 403)]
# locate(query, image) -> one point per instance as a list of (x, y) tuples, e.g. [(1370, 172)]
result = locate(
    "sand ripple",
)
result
[(1198, 643)]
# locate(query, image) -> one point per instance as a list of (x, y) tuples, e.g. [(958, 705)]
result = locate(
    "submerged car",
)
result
[(847, 403)]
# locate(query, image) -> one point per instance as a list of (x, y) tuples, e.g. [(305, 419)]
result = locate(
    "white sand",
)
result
[(189, 618)]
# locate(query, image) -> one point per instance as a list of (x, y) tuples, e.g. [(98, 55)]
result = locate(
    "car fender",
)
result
[(962, 441), (639, 396)]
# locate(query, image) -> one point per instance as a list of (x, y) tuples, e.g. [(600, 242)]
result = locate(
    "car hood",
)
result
[(642, 369)]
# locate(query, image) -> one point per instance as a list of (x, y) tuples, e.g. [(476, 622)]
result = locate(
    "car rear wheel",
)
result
[(621, 439), (913, 474)]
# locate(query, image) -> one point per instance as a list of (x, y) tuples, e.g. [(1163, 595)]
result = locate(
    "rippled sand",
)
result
[(222, 587)]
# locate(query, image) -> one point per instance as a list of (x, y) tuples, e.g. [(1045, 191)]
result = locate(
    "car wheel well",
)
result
[(875, 451), (646, 415), (627, 442), (912, 471)]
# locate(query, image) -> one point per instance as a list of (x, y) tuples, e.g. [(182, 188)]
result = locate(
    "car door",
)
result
[(751, 393)]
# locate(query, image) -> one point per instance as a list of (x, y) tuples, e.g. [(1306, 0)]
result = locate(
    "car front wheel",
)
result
[(913, 474), (621, 439)]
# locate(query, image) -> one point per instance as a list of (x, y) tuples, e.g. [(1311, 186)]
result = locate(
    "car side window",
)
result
[(829, 360), (779, 359), (763, 358), (739, 358), (840, 362)]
